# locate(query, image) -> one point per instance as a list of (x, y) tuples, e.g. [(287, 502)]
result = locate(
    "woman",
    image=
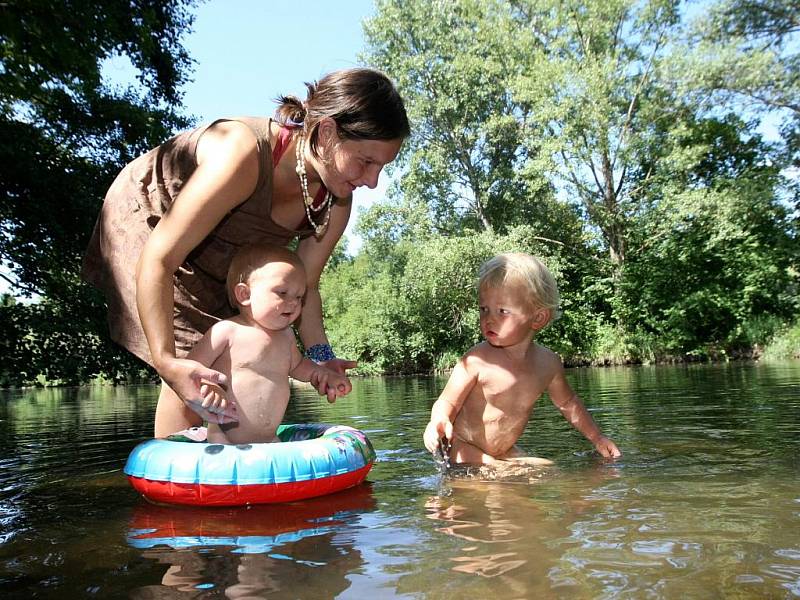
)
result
[(174, 217)]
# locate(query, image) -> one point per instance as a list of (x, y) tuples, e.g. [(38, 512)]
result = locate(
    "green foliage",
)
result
[(719, 223), (64, 134), (624, 151), (418, 312), (747, 53), (52, 343), (785, 344), (613, 138), (453, 61)]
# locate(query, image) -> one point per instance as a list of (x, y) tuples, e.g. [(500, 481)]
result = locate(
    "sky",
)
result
[(246, 52)]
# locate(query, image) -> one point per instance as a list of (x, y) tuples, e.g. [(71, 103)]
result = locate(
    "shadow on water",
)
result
[(704, 503)]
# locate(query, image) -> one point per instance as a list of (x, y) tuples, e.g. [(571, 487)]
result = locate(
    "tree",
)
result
[(713, 268), (65, 133), (747, 53), (453, 62), (513, 100), (610, 146)]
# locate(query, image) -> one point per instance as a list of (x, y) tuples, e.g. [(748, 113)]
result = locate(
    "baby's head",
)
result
[(262, 261), (523, 275)]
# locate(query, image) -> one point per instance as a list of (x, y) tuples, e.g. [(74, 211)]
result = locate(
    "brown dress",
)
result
[(136, 201)]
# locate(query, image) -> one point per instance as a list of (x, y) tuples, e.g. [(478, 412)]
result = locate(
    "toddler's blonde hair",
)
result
[(525, 273), (251, 258)]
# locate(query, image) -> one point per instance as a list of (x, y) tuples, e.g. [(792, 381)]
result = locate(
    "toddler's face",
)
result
[(276, 294), (506, 319)]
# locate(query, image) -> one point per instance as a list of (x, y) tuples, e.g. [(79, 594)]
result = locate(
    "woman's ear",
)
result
[(242, 294), (328, 132), (329, 139)]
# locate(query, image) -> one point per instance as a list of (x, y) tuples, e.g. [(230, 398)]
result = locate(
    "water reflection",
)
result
[(250, 552), (504, 528)]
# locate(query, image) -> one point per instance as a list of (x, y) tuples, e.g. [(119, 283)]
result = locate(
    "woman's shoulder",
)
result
[(230, 138), (229, 131)]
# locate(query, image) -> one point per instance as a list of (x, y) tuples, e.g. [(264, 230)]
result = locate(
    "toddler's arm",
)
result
[(574, 411), (447, 407)]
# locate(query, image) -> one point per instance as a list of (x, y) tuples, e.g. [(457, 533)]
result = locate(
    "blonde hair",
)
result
[(251, 258), (525, 273)]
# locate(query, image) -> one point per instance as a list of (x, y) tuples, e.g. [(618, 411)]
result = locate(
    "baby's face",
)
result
[(276, 294), (506, 319)]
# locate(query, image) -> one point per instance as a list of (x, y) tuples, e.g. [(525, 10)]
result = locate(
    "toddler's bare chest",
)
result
[(263, 353), (502, 388)]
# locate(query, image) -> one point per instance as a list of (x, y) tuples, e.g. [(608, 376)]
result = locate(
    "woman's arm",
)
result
[(315, 253), (226, 175)]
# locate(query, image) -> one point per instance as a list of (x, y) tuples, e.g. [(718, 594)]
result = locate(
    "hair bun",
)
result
[(290, 110)]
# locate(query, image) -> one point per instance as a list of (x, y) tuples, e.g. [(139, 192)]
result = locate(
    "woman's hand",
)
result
[(339, 365), (201, 389)]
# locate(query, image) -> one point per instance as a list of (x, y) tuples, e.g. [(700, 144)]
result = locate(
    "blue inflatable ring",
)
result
[(311, 460)]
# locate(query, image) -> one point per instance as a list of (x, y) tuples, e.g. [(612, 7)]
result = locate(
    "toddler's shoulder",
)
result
[(480, 357), (546, 358), (479, 352)]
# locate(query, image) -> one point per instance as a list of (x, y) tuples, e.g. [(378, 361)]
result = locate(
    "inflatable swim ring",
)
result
[(311, 460)]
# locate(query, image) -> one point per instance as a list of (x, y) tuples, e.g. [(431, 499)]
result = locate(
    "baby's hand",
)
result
[(333, 383), (438, 428), (339, 385), (607, 448), (213, 406)]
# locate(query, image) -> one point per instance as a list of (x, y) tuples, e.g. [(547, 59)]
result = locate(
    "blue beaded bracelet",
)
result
[(320, 353)]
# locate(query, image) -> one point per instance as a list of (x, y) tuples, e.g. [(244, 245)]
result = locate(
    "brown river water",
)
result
[(704, 503)]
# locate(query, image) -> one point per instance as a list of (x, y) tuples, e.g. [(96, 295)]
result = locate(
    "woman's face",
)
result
[(350, 164)]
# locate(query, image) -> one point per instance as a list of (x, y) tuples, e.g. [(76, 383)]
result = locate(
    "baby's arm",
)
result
[(574, 411), (447, 407), (214, 407), (334, 383)]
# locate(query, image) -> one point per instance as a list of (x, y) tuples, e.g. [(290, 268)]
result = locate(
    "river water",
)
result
[(705, 502)]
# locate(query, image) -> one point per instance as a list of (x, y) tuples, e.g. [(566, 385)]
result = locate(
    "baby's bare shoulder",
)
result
[(239, 332), (225, 329)]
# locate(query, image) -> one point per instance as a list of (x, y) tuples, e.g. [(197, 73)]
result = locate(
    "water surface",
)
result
[(705, 502)]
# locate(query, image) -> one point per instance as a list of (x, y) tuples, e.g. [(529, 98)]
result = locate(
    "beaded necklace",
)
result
[(308, 201)]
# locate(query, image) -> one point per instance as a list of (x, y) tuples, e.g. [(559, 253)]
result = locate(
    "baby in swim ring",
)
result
[(257, 349)]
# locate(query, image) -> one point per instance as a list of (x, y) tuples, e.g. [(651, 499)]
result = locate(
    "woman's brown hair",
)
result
[(363, 102)]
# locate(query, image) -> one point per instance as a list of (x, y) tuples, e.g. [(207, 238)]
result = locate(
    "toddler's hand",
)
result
[(607, 448), (438, 428), (213, 406)]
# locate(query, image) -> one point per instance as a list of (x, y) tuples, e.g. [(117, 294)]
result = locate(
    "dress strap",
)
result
[(281, 144)]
